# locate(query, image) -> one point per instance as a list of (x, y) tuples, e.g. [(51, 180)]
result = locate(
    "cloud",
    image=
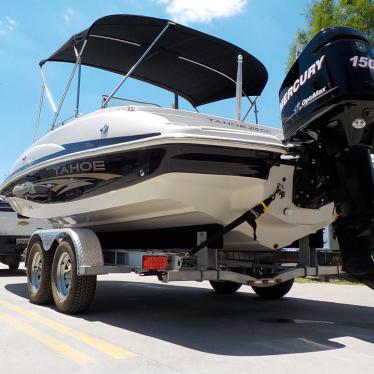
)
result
[(68, 14), (203, 11), (11, 23), (7, 24)]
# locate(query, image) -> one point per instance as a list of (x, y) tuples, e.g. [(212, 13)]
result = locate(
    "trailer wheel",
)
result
[(225, 287), (72, 293), (38, 267), (274, 292)]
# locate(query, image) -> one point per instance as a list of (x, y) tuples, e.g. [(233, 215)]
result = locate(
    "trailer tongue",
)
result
[(327, 107)]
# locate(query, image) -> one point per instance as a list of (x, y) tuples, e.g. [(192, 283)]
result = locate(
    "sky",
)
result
[(30, 30)]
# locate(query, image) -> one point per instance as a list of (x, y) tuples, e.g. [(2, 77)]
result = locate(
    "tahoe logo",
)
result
[(239, 125), (81, 167)]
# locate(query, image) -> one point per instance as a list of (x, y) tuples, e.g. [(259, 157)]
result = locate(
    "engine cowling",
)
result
[(327, 110), (331, 86)]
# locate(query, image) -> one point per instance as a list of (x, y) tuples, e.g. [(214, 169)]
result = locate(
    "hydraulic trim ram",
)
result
[(327, 106)]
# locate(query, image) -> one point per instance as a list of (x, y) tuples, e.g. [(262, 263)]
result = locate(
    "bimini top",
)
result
[(199, 67)]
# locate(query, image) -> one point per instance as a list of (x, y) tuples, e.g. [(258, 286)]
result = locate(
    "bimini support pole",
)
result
[(48, 93), (239, 90), (176, 101), (137, 63), (44, 91), (78, 84), (256, 112), (77, 63), (39, 112), (253, 104)]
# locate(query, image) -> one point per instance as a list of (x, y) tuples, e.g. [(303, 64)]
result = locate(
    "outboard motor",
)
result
[(327, 108)]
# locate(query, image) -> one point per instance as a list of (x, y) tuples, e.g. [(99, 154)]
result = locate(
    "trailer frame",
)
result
[(208, 264)]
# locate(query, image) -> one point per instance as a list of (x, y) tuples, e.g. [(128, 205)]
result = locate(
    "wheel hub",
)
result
[(64, 275), (36, 271)]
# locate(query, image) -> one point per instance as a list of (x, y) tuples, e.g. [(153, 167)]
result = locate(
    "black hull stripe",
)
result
[(74, 180), (85, 145)]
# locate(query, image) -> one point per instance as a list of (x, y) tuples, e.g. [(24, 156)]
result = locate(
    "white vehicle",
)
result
[(15, 231), (186, 195)]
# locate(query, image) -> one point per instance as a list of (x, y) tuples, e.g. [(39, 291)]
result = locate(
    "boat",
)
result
[(140, 167), (131, 169)]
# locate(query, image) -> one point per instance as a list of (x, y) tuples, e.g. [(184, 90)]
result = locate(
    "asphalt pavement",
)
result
[(138, 325)]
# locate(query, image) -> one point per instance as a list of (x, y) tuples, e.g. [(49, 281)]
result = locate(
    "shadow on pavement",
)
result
[(240, 325)]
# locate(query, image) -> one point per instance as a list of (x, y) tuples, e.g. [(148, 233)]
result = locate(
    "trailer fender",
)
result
[(87, 246)]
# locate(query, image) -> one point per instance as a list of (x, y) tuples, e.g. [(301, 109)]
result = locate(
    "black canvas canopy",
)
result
[(199, 67)]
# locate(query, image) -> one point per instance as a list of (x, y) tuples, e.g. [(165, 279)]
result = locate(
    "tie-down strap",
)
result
[(249, 216)]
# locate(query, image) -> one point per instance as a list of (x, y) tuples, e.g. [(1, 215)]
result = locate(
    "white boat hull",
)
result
[(182, 199), (147, 168)]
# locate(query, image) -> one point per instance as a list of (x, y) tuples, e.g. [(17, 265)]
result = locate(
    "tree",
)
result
[(330, 13)]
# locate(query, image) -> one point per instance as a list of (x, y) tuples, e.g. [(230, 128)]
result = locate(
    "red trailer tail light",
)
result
[(155, 262)]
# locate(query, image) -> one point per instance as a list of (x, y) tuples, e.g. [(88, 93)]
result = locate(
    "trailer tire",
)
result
[(72, 293), (38, 267), (225, 287), (274, 292)]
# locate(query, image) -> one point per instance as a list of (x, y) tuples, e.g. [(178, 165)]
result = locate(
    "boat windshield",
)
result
[(119, 101)]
